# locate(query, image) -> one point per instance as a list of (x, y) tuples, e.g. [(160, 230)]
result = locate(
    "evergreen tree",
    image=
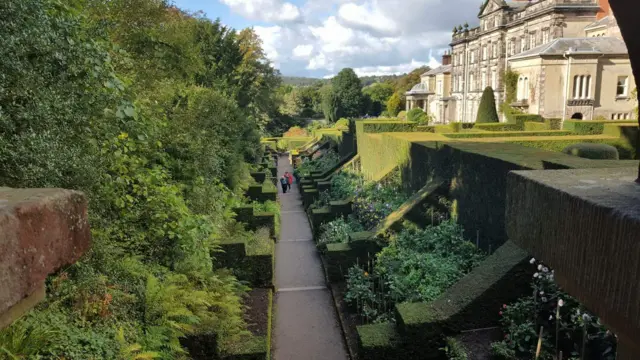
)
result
[(347, 88), (487, 112)]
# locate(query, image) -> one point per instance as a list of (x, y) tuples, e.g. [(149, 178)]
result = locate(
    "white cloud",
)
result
[(371, 36), (265, 10), (302, 51)]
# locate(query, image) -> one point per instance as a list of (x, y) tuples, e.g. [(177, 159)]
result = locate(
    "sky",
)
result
[(317, 38)]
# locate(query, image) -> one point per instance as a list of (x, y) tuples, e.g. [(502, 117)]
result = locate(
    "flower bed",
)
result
[(321, 163), (556, 321)]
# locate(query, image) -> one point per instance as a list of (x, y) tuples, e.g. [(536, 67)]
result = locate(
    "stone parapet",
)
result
[(585, 224), (41, 230)]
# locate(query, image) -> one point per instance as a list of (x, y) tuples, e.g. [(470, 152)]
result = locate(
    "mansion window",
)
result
[(545, 36), (512, 47), (619, 116), (532, 40), (473, 56), (471, 82), (439, 88), (582, 86), (484, 79), (522, 44), (497, 21), (484, 53), (623, 86), (523, 88), (495, 50), (494, 79)]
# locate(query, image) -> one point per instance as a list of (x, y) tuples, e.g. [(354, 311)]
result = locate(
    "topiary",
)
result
[(418, 116), (487, 112), (592, 151)]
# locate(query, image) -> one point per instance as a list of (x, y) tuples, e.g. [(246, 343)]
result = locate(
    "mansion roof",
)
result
[(591, 45), (420, 88), (439, 70), (605, 21)]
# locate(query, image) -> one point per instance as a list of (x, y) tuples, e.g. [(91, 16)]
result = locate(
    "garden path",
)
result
[(306, 324)]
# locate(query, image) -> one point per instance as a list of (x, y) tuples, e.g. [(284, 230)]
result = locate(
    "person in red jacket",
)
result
[(290, 178)]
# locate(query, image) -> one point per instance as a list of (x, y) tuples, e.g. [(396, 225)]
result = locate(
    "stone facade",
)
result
[(511, 29)]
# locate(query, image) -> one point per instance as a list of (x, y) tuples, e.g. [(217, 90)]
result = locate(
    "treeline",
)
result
[(156, 114), (346, 96)]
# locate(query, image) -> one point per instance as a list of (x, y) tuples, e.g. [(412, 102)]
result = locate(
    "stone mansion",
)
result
[(569, 55)]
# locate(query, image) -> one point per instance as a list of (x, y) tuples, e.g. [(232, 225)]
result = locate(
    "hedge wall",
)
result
[(464, 135), (381, 126), (536, 126), (626, 149), (498, 127), (584, 127)]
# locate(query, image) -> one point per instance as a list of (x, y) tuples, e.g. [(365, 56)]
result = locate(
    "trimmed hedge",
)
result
[(625, 149), (469, 304), (520, 119), (507, 134), (554, 123), (498, 127), (535, 126), (381, 126), (592, 151), (585, 127), (378, 342)]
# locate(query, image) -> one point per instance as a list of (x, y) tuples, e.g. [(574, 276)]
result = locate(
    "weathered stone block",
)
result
[(41, 230)]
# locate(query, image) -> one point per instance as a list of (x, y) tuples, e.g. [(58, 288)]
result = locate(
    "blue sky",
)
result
[(318, 38)]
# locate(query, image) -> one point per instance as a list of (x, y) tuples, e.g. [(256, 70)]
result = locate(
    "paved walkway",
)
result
[(306, 325)]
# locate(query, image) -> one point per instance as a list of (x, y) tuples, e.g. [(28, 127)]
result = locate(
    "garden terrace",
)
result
[(41, 230)]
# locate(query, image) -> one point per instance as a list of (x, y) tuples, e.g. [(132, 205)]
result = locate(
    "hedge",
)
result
[(592, 151), (381, 126), (471, 303), (594, 127), (536, 126), (554, 123), (378, 342), (520, 119), (498, 127), (625, 149), (506, 134)]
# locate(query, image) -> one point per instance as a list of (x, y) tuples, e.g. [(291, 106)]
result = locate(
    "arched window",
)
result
[(520, 88), (526, 89)]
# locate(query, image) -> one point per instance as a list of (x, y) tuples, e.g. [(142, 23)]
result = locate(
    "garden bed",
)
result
[(348, 319), (476, 344), (257, 311)]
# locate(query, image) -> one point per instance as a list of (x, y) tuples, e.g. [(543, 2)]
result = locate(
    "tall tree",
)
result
[(348, 91), (379, 93)]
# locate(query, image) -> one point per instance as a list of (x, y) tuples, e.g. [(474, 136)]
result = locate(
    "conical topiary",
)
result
[(487, 112)]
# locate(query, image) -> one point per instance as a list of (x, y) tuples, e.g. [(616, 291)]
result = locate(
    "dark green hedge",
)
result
[(507, 134), (554, 123), (626, 150), (378, 342), (498, 127), (592, 151), (520, 119)]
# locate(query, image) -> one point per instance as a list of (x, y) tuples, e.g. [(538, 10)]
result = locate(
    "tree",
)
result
[(378, 94), (487, 112), (347, 90), (329, 102), (394, 104)]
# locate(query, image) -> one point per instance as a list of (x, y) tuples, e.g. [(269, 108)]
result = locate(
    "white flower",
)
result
[(536, 275), (560, 303), (544, 299), (539, 266), (545, 269), (541, 292), (550, 317), (533, 260), (586, 317)]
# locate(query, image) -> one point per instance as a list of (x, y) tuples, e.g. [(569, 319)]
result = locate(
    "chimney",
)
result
[(605, 9), (446, 58)]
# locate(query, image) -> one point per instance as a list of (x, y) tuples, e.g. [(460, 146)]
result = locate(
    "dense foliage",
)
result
[(487, 112), (153, 113), (566, 325), (322, 163), (418, 265), (418, 116), (372, 202)]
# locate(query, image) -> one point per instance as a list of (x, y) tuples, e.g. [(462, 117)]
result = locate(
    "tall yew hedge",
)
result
[(487, 112)]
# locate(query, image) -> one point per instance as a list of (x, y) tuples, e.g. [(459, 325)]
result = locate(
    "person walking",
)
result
[(289, 179), (284, 182)]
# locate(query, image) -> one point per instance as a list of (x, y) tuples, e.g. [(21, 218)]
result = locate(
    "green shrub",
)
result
[(343, 123), (487, 112), (592, 151), (586, 127), (464, 135), (402, 115), (535, 126), (521, 119), (418, 116), (337, 231), (380, 126)]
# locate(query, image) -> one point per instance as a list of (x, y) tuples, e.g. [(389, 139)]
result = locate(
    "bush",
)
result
[(498, 127), (568, 326), (418, 116), (337, 231), (295, 131), (592, 151), (417, 266), (553, 123), (342, 124), (402, 115), (456, 127), (487, 112), (535, 126)]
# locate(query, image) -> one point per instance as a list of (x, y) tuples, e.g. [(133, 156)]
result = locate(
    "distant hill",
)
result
[(301, 81)]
